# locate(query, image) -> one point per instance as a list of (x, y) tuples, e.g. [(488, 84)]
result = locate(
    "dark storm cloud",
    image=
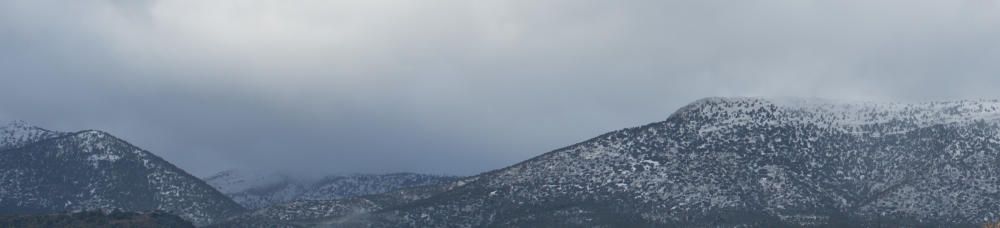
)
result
[(456, 86)]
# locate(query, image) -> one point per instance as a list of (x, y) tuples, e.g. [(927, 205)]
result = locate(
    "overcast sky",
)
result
[(456, 87)]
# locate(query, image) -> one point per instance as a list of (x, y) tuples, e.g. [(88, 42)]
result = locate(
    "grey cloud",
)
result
[(456, 86)]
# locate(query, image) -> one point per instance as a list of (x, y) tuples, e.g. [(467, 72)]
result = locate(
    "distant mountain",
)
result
[(254, 191), (727, 162), (43, 171), (257, 191), (339, 187), (336, 212), (97, 219)]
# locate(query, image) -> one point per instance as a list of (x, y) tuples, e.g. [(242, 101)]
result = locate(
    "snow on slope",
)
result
[(52, 172), (845, 116), (748, 162), (18, 133)]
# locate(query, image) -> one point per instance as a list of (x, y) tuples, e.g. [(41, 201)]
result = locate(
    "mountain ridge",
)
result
[(744, 162), (19, 133), (720, 162)]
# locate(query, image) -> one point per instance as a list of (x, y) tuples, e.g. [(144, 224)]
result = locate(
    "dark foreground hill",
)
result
[(97, 219)]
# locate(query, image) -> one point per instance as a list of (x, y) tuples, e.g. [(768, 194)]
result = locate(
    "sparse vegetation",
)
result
[(96, 218)]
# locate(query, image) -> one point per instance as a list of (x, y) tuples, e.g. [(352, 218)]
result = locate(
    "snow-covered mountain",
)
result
[(43, 171), (19, 133), (726, 162), (257, 191)]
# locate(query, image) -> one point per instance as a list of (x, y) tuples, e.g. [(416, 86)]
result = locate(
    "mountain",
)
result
[(254, 191), (339, 187), (734, 162), (258, 191), (43, 171), (19, 133), (336, 212)]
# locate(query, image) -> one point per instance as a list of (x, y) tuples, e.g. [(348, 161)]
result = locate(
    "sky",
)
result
[(454, 86)]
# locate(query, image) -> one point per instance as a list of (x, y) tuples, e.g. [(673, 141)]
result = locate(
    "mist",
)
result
[(456, 87)]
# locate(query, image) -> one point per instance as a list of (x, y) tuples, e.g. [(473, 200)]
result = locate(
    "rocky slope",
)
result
[(736, 162), (43, 171), (259, 191)]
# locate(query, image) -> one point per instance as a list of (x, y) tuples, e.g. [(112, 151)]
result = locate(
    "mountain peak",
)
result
[(19, 133)]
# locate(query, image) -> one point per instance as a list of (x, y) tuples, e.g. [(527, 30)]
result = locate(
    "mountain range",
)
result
[(730, 162), (44, 174), (717, 162)]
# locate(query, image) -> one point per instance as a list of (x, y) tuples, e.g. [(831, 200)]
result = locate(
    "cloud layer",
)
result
[(456, 86)]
